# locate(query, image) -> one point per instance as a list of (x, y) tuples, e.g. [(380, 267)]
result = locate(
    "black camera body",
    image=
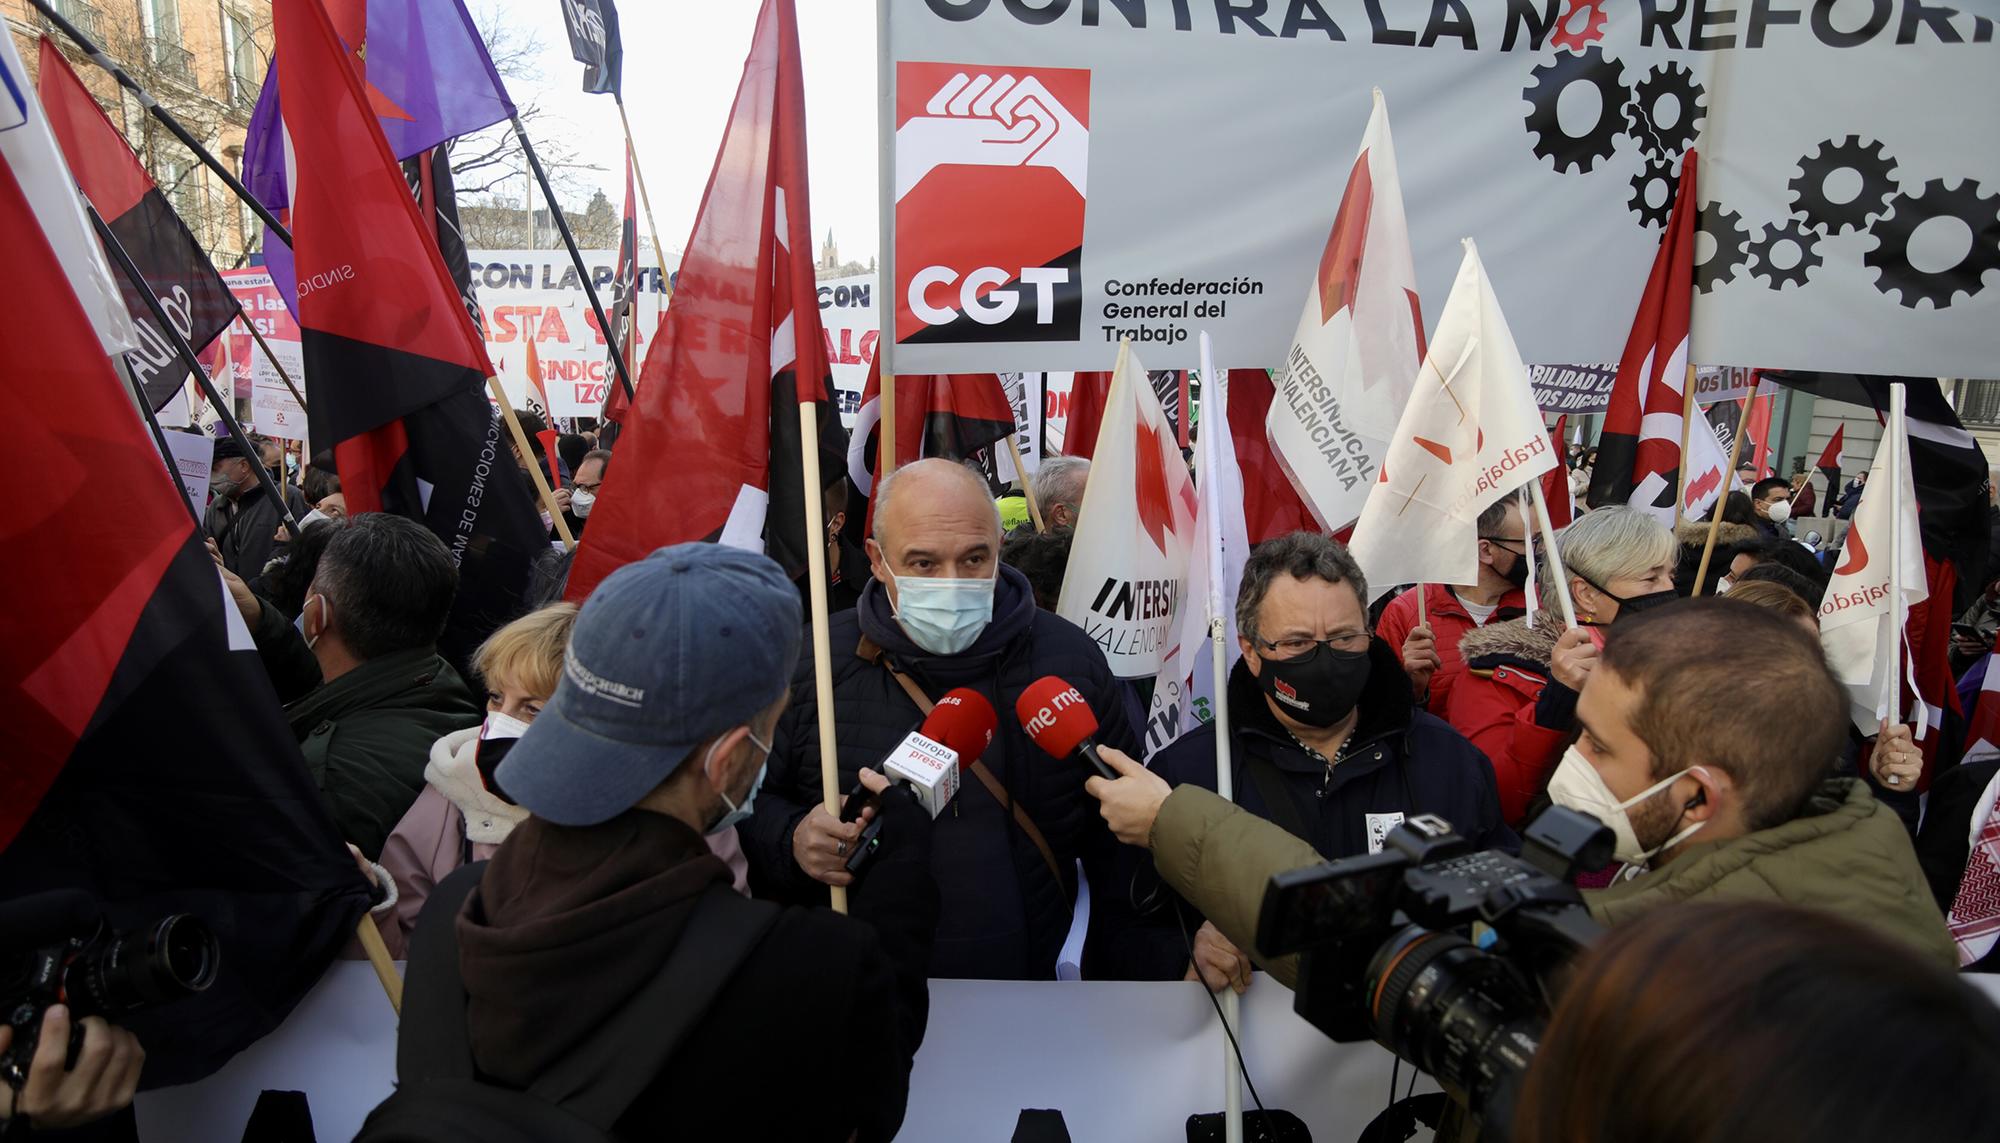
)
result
[(1388, 953), (82, 963)]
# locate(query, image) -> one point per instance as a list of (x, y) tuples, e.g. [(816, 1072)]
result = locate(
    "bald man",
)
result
[(941, 611)]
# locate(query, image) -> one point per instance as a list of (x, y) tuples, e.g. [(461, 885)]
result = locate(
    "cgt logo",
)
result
[(991, 167)]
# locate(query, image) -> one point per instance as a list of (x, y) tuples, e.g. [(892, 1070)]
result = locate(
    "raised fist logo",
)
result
[(991, 121)]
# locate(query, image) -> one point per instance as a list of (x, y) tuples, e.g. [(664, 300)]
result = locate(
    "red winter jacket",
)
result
[(1449, 623), (1507, 705)]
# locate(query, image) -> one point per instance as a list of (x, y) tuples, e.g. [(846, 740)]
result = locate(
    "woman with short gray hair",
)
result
[(1517, 698)]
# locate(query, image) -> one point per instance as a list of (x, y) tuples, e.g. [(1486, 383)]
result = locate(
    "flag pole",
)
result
[(378, 957), (1892, 686), (885, 172), (822, 648), (165, 117), (273, 359), (569, 240), (160, 442), (1715, 515), (1687, 442), (1225, 773), (1027, 486), (639, 174), (1555, 553), (116, 249), (547, 497)]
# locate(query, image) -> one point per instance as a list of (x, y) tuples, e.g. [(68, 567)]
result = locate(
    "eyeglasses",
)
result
[(1527, 546), (591, 487), (1300, 647)]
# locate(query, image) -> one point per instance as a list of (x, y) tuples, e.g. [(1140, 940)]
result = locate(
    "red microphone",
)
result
[(964, 722), (1056, 716)]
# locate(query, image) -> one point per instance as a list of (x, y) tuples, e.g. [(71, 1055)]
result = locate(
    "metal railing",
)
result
[(173, 60), (85, 16)]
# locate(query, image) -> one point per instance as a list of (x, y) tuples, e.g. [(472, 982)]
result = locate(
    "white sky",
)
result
[(682, 64)]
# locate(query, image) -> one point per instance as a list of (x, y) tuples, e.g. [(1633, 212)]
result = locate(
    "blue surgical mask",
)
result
[(943, 616), (737, 815)]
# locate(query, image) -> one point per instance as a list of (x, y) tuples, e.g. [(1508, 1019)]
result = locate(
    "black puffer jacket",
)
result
[(1003, 915)]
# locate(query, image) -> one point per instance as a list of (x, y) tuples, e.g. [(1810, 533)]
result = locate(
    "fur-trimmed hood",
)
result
[(1694, 534), (1515, 639), (454, 771)]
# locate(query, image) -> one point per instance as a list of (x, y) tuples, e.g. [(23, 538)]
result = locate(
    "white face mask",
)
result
[(326, 618), (1723, 585), (1779, 512), (499, 725), (1578, 786), (943, 616), (580, 502)]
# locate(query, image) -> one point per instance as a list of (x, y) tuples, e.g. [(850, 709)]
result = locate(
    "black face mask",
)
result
[(1518, 574), (487, 760), (1637, 604), (1320, 687)]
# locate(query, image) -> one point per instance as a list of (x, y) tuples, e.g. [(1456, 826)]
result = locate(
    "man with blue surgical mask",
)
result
[(604, 917), (940, 612)]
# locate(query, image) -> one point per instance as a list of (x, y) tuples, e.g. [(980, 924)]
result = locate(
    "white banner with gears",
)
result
[(1069, 172)]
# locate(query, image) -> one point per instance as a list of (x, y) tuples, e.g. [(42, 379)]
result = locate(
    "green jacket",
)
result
[(1846, 854), (366, 735)]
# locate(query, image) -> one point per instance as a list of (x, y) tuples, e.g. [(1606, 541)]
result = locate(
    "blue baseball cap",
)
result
[(667, 653)]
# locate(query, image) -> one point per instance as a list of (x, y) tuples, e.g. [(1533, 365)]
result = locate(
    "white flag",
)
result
[(1128, 564), (1354, 358), (1860, 624), (1184, 692), (29, 149), (1470, 435)]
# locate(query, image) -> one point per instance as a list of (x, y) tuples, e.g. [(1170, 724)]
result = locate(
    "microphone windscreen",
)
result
[(1055, 715), (964, 721)]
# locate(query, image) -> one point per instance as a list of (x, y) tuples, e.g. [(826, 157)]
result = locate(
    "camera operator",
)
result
[(57, 1097), (1713, 790)]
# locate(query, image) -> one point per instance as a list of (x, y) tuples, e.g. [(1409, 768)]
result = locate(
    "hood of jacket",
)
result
[(1845, 852), (567, 925), (1013, 613), (454, 772), (1694, 534), (1516, 640)]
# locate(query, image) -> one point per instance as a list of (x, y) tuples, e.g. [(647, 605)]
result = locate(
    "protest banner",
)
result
[(273, 410), (1043, 247), (194, 455), (848, 317), (536, 293)]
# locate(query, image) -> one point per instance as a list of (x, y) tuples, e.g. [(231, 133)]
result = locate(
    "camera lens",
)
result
[(175, 957), (1454, 1010)]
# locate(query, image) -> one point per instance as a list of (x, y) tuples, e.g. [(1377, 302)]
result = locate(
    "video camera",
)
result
[(1388, 954), (73, 957)]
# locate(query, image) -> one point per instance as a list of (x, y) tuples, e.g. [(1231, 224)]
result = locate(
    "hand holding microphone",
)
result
[(1056, 716), (925, 766)]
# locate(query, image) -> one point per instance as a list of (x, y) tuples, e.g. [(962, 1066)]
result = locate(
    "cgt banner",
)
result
[(1070, 172), (537, 294)]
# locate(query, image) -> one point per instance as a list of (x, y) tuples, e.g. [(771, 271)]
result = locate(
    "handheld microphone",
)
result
[(928, 762), (1056, 716)]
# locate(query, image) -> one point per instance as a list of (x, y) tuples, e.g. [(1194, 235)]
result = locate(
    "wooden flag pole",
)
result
[(1027, 486), (1423, 619), (639, 173), (1687, 439), (378, 956), (521, 442), (275, 363), (885, 429), (829, 762), (1715, 516)]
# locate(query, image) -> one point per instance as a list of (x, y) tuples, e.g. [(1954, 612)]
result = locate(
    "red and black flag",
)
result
[(396, 368), (624, 339), (712, 449), (953, 415), (431, 184), (148, 763), (1829, 465), (158, 240)]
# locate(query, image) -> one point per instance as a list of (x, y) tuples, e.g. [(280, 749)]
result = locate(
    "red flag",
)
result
[(624, 305), (1639, 449), (1555, 482), (1829, 464), (1271, 505), (953, 416), (1757, 426), (1086, 412), (712, 448), (538, 393), (396, 368), (168, 257)]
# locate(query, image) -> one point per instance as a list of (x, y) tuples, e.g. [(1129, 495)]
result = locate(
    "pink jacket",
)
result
[(456, 808)]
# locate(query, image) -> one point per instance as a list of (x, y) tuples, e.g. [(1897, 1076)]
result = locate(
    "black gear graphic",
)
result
[(1725, 226), (1651, 216), (1576, 152), (1892, 234), (1878, 182), (1664, 80), (1762, 265)]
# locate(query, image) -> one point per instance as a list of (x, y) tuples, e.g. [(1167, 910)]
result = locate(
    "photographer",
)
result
[(58, 1097), (1706, 796)]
